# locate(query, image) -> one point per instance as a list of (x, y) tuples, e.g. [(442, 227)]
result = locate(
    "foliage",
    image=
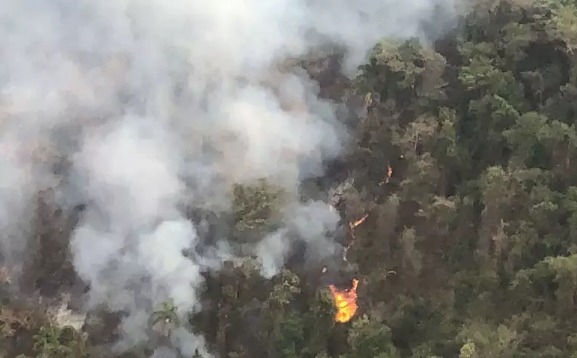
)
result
[(165, 317), (469, 250), (256, 207)]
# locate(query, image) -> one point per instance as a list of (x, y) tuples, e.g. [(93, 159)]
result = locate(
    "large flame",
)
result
[(345, 302)]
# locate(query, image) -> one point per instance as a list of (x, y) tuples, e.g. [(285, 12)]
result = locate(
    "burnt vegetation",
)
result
[(469, 250)]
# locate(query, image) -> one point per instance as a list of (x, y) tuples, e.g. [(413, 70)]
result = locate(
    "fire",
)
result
[(387, 177), (352, 226), (345, 302), (356, 223)]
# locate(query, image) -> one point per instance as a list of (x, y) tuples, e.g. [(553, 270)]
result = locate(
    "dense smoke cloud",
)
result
[(164, 104)]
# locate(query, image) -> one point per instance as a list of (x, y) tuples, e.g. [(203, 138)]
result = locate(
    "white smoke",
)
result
[(311, 222), (167, 103)]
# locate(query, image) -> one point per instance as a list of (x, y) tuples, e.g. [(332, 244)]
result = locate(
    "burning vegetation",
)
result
[(164, 192), (345, 302), (354, 224)]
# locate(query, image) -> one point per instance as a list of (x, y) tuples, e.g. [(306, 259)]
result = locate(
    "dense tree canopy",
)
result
[(469, 249)]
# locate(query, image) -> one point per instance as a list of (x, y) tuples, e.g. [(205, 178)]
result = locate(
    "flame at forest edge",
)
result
[(356, 223), (345, 302)]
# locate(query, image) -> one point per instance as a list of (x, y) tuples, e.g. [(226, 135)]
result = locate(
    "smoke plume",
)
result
[(161, 105)]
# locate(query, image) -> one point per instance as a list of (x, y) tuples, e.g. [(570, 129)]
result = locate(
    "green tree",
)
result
[(165, 318), (370, 338), (256, 208)]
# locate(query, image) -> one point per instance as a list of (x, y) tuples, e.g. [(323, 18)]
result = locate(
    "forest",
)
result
[(458, 217)]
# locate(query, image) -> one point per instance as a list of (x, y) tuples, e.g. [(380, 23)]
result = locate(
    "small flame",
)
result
[(345, 302), (356, 223), (352, 226), (387, 177)]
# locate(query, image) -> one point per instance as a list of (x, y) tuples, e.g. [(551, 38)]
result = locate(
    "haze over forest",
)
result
[(288, 179)]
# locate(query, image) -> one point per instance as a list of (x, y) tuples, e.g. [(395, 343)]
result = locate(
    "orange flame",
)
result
[(352, 226), (345, 302), (356, 223), (387, 177)]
